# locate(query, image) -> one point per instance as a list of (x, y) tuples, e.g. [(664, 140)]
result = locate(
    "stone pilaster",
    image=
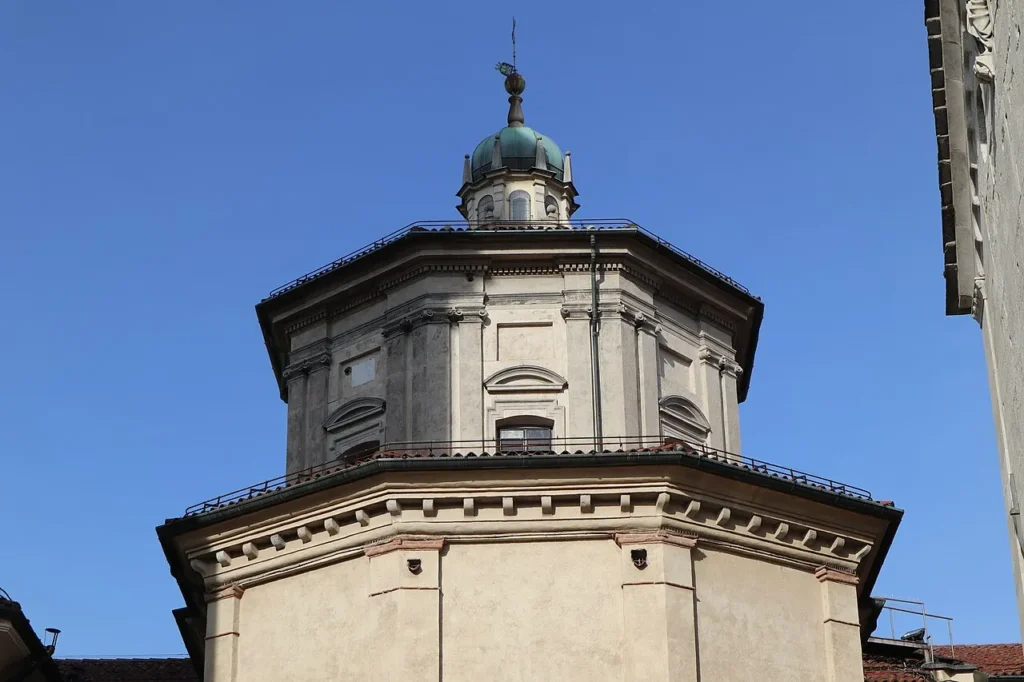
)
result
[(649, 419), (618, 379), (714, 407), (659, 607), (222, 632), (731, 406), (295, 377), (843, 658), (468, 384), (578, 372), (396, 351), (430, 377), (405, 574), (317, 386)]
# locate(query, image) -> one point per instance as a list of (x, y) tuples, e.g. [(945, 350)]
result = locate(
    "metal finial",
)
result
[(515, 84)]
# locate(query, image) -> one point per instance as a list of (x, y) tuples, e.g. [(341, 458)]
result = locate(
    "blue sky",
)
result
[(165, 165)]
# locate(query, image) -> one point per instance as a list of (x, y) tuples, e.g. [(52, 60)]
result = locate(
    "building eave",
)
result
[(267, 308), (945, 60), (39, 659)]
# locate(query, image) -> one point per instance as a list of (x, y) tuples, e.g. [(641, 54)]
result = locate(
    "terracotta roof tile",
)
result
[(994, 659)]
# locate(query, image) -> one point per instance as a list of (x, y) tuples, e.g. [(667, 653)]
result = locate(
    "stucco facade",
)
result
[(975, 55), (606, 572)]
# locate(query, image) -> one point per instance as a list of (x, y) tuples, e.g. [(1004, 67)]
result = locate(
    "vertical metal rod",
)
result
[(594, 358), (892, 625)]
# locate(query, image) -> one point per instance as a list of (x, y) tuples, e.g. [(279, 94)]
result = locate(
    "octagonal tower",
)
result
[(465, 331)]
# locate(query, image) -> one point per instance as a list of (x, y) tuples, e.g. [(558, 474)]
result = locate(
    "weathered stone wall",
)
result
[(1001, 185), (444, 357)]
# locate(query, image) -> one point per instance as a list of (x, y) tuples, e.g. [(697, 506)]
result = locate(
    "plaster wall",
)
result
[(548, 609), (313, 626), (773, 612), (560, 624)]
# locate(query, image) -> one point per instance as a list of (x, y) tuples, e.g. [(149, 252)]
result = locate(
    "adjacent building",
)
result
[(975, 54)]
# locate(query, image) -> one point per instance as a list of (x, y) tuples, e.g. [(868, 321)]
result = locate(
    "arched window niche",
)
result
[(519, 205), (355, 428), (485, 209), (551, 207), (682, 419)]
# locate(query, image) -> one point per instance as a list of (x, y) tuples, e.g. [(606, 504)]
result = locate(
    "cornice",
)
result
[(626, 512)]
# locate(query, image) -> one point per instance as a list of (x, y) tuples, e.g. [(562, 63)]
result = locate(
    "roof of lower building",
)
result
[(996, 660), (895, 662), (127, 670)]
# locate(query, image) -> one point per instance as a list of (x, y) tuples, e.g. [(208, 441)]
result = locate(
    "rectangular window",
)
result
[(524, 439)]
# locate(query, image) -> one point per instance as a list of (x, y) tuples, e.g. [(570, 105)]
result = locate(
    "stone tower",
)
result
[(465, 331), (514, 454)]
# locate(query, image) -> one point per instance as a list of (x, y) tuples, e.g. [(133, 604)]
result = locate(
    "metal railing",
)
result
[(920, 611), (638, 446), (609, 224)]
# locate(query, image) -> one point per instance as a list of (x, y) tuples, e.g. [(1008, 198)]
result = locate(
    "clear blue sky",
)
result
[(165, 165)]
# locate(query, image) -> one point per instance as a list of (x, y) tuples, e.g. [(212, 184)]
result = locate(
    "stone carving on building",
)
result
[(979, 25)]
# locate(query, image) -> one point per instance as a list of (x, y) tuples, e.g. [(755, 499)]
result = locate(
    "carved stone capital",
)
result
[(321, 361), (978, 300), (835, 574), (455, 315), (293, 371), (404, 542), (575, 312), (709, 356), (229, 591), (731, 368), (688, 540)]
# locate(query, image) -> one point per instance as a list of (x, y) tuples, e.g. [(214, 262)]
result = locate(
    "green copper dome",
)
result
[(518, 151)]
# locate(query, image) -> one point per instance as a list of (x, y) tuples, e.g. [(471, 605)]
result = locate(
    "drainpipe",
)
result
[(595, 370)]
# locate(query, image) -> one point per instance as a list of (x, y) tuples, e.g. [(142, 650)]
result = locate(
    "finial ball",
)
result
[(515, 84)]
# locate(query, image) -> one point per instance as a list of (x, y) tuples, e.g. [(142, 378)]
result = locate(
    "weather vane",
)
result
[(505, 68)]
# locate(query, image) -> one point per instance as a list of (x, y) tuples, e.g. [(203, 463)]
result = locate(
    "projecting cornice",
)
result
[(302, 536), (458, 257)]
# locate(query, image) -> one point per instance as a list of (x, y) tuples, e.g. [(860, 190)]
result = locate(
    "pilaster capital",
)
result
[(661, 537), (318, 362), (301, 368), (229, 591), (404, 542), (458, 315), (731, 368), (836, 574), (724, 364), (575, 312)]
